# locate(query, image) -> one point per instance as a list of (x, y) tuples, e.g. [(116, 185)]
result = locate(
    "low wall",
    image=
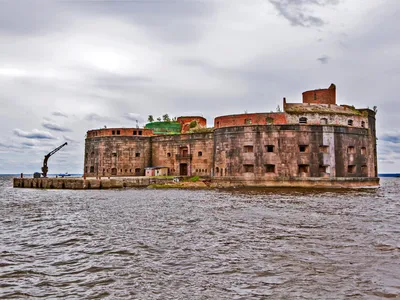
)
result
[(310, 182), (90, 183)]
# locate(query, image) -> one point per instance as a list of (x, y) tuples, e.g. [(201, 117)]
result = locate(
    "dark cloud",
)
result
[(391, 137), (59, 114), (323, 59), (54, 126), (297, 13), (34, 134)]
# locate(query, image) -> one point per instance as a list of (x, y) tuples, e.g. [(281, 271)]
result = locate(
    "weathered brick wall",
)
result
[(250, 119), (168, 152), (322, 96), (119, 132), (186, 121), (314, 118), (233, 158), (117, 156)]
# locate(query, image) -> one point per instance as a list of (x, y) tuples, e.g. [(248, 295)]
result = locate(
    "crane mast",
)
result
[(45, 169)]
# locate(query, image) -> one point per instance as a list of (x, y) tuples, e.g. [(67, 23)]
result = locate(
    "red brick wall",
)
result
[(122, 132), (185, 122), (255, 119), (324, 96)]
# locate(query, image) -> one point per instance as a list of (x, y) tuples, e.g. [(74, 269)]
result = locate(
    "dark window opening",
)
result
[(126, 170), (92, 169), (92, 154), (169, 154), (114, 171), (270, 168), (114, 154), (304, 169), (303, 148), (248, 168), (363, 151), (350, 122), (362, 124), (351, 169), (303, 120), (140, 132), (324, 149), (120, 170), (216, 170), (217, 125), (351, 150), (315, 96), (137, 154), (137, 171), (248, 149), (113, 132), (270, 148), (323, 170), (200, 153), (134, 132), (118, 132), (205, 170), (247, 121), (324, 121), (130, 170)]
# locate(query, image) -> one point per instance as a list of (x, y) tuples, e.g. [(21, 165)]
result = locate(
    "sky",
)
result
[(70, 66)]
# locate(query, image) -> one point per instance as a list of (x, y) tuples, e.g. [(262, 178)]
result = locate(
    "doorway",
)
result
[(183, 169), (114, 171)]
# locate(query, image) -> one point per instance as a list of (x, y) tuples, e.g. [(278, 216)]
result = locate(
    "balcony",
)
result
[(183, 156)]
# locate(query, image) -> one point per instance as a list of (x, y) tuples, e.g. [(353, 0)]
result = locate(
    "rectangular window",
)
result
[(248, 149), (137, 155), (200, 153), (324, 149), (303, 148), (323, 170), (270, 168), (364, 170), (351, 150), (248, 168), (363, 151), (304, 169), (351, 169), (113, 132), (270, 148), (134, 132), (118, 132), (114, 154), (140, 132)]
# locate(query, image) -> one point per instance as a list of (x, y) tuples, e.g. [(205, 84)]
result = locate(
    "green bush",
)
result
[(194, 178)]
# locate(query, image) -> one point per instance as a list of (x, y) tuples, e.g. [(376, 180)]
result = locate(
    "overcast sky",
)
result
[(70, 66)]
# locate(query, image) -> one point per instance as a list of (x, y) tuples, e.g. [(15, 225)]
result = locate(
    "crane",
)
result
[(46, 158)]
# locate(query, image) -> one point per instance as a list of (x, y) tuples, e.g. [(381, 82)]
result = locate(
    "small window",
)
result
[(114, 154), (126, 170), (247, 121), (303, 148), (130, 170), (270, 148), (270, 168), (168, 154), (205, 170), (218, 124), (137, 171), (363, 151), (248, 168), (351, 150), (303, 120), (248, 149), (217, 170), (113, 132), (350, 122), (364, 170), (137, 154), (92, 169), (200, 153), (315, 96), (351, 169), (362, 124), (120, 170), (324, 121), (197, 170), (323, 170), (118, 132), (134, 132), (304, 169), (140, 132), (324, 149)]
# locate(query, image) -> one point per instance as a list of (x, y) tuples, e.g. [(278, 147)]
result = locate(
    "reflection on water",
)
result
[(178, 244)]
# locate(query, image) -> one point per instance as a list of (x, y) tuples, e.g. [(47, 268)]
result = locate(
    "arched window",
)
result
[(324, 121), (362, 124), (350, 122), (303, 120)]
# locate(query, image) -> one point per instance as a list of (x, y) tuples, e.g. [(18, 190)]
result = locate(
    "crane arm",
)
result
[(45, 169)]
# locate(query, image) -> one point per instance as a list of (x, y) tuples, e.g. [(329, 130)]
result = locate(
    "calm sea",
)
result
[(181, 244)]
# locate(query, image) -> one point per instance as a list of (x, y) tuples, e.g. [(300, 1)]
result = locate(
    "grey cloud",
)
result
[(296, 12), (96, 117), (54, 126), (69, 139), (391, 137), (323, 59), (59, 114), (34, 134), (134, 117)]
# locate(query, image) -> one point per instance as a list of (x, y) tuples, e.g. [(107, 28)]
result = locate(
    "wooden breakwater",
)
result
[(79, 183)]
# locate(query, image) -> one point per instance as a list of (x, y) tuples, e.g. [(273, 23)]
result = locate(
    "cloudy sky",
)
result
[(70, 66)]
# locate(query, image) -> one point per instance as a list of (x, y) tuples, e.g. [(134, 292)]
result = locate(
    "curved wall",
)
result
[(322, 96), (250, 119), (186, 120), (276, 152), (119, 132)]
